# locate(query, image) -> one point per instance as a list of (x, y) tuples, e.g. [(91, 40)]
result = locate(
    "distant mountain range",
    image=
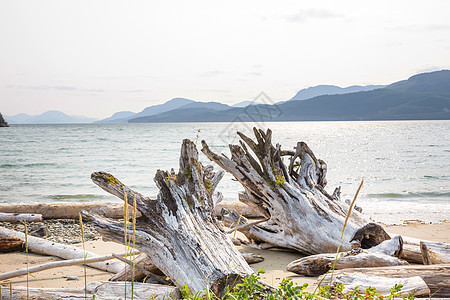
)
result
[(49, 117), (321, 90), (422, 96)]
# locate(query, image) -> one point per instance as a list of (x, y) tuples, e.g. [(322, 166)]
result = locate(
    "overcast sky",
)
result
[(96, 57)]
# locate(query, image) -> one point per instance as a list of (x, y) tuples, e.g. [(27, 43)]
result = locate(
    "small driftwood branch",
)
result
[(16, 217), (58, 264), (42, 246)]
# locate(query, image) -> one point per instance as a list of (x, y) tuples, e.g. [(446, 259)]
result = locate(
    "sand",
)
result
[(274, 264)]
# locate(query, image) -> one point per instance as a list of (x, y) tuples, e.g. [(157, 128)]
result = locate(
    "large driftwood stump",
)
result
[(300, 213), (179, 231)]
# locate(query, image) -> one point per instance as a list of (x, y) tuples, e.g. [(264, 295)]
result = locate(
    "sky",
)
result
[(95, 58)]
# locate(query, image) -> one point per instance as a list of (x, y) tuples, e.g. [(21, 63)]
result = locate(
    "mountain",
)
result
[(207, 111), (421, 97), (321, 90), (149, 111), (245, 103), (207, 105), (118, 117), (49, 117), (433, 82)]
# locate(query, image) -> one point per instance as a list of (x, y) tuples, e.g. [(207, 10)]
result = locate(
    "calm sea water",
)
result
[(405, 164)]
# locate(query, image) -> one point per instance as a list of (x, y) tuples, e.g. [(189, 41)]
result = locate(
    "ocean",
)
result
[(405, 164)]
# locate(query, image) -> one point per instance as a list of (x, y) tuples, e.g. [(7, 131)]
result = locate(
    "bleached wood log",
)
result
[(437, 277), (65, 210), (10, 245), (70, 210), (411, 285), (439, 253), (385, 254), (58, 264), (42, 246), (16, 217), (179, 231), (301, 214), (101, 290), (412, 254)]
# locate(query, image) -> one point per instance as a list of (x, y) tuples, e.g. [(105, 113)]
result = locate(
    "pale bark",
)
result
[(384, 254), (71, 210), (16, 217), (437, 277), (178, 230), (101, 290), (42, 246), (301, 214), (58, 264), (438, 253), (66, 210), (411, 285)]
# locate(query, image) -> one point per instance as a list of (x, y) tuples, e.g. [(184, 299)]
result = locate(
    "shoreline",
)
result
[(274, 264)]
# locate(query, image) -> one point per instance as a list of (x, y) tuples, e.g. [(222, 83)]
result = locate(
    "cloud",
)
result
[(136, 91), (255, 73), (423, 28), (427, 69), (55, 88), (211, 73), (305, 15)]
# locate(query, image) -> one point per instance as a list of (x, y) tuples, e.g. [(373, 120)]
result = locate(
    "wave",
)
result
[(32, 165), (81, 197), (410, 195)]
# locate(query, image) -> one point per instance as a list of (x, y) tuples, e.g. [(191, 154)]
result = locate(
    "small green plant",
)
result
[(280, 180), (171, 177), (251, 287), (26, 252), (197, 136), (85, 255)]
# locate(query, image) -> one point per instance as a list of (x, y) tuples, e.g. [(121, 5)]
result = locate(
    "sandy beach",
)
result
[(274, 264)]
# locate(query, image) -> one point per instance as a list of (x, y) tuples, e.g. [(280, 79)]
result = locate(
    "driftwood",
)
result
[(142, 263), (65, 210), (411, 285), (178, 230), (11, 245), (112, 210), (58, 264), (42, 246), (300, 213), (427, 252), (146, 268), (384, 254), (16, 217), (437, 277), (101, 290)]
